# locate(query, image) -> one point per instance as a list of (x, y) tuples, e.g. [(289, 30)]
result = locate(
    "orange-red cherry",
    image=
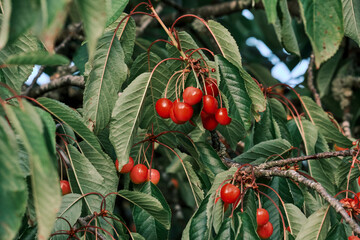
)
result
[(127, 167), (222, 116), (229, 193), (357, 199), (65, 187), (192, 95), (262, 216), (265, 231), (183, 111), (163, 106), (210, 104), (138, 173), (155, 176)]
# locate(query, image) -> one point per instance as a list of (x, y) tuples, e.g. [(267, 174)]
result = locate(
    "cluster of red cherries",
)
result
[(139, 173), (230, 193), (182, 111)]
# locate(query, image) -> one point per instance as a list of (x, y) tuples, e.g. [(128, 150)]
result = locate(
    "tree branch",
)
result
[(310, 79), (68, 80), (313, 185), (323, 155)]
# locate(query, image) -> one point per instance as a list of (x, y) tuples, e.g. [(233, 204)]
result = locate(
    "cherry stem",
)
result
[(149, 48), (182, 163), (203, 21), (278, 209)]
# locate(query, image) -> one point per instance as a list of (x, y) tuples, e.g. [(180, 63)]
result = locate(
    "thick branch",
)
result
[(313, 185), (228, 162), (68, 80), (323, 155), (225, 8)]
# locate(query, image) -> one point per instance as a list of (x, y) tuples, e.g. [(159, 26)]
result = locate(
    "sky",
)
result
[(280, 71)]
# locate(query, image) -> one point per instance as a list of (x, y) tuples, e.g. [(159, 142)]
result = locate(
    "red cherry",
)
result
[(192, 95), (65, 187), (353, 238), (172, 116), (139, 173), (155, 176), (265, 231), (222, 117), (262, 216), (208, 120), (163, 106), (210, 104), (288, 229), (127, 167), (183, 111), (211, 88), (229, 193)]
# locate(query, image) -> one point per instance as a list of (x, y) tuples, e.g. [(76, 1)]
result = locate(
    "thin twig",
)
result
[(310, 80), (41, 70), (84, 222), (313, 185)]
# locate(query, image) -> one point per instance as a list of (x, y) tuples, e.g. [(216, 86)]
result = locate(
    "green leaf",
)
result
[(286, 32), (39, 58), (49, 130), (264, 129), (106, 168), (127, 35), (93, 14), (13, 189), (351, 12), (44, 180), (225, 231), (316, 227), (195, 181), (326, 73), (87, 178), (247, 230), (337, 232), (126, 117), (264, 150), (105, 79), (147, 225), (70, 210), (210, 159), (71, 118), (226, 43), (271, 10), (296, 217), (114, 8), (5, 22), (255, 93), (14, 76), (199, 222), (324, 125), (233, 133), (19, 17), (234, 88), (323, 26), (149, 204)]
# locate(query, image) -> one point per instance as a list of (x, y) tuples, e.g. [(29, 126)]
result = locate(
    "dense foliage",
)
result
[(172, 126)]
